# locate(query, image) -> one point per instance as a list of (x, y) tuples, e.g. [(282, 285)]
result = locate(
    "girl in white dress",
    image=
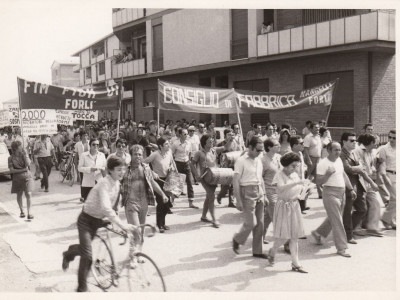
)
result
[(288, 223)]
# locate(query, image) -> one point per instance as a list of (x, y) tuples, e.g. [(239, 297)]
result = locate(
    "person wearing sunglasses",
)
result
[(93, 165), (121, 151), (387, 170), (354, 210)]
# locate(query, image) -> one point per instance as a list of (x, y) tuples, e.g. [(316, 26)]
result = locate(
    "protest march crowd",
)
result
[(267, 174)]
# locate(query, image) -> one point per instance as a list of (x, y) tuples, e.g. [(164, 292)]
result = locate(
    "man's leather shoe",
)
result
[(219, 200), (352, 241), (374, 233), (317, 238), (359, 232), (343, 253), (235, 246), (231, 205), (265, 256)]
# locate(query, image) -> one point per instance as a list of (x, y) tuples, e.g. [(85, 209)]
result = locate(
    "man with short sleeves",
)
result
[(250, 197), (331, 175), (44, 150), (312, 152), (387, 170), (181, 150)]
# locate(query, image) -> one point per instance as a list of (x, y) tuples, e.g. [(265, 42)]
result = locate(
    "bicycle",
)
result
[(67, 167), (140, 271)]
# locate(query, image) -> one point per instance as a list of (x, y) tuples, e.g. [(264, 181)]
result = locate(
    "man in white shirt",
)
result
[(306, 130), (387, 171), (193, 139), (331, 175), (181, 150), (312, 152), (93, 165), (248, 186)]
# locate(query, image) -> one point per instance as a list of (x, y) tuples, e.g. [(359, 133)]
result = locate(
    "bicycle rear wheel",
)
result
[(103, 267), (145, 276)]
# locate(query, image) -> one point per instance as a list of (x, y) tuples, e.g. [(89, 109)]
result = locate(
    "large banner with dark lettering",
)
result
[(256, 102), (36, 95), (173, 96)]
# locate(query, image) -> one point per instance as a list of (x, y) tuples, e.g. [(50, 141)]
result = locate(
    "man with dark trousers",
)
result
[(354, 170)]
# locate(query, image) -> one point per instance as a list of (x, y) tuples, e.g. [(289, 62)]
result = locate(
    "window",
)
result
[(258, 85), (239, 47), (311, 16), (102, 68), (157, 48), (150, 98), (342, 111), (139, 43), (88, 72)]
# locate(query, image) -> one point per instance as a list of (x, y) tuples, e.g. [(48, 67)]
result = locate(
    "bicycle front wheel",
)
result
[(103, 267), (144, 275)]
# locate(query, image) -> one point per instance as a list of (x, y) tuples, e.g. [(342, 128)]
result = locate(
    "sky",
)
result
[(35, 33)]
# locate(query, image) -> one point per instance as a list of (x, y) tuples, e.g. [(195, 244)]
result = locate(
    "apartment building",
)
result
[(225, 48), (62, 73), (94, 70)]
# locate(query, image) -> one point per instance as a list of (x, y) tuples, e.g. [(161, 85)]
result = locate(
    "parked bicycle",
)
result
[(138, 272), (67, 167)]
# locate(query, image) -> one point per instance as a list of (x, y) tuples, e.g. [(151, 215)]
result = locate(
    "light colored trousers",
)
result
[(374, 210), (272, 197), (253, 213), (334, 201), (389, 216)]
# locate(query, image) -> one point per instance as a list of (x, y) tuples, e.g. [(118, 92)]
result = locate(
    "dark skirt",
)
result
[(22, 182)]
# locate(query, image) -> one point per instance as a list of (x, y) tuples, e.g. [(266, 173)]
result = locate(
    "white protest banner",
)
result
[(85, 115), (39, 121), (13, 114), (4, 118), (64, 117)]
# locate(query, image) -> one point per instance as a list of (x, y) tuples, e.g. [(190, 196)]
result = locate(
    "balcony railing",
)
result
[(130, 68), (127, 15), (376, 25)]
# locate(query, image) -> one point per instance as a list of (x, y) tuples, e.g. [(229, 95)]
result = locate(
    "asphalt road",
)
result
[(193, 256)]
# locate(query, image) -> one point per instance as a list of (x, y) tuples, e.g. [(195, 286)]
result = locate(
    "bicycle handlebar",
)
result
[(137, 229)]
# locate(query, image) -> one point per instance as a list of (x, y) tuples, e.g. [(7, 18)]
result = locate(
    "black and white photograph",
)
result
[(202, 148)]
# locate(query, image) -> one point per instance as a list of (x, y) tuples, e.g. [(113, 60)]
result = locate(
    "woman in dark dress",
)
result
[(22, 181)]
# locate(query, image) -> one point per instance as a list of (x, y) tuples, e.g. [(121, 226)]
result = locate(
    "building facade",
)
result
[(95, 70), (225, 48), (62, 72)]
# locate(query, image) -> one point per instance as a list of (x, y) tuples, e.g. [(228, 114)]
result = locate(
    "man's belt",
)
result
[(391, 172)]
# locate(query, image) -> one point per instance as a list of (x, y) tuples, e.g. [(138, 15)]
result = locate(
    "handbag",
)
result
[(174, 183)]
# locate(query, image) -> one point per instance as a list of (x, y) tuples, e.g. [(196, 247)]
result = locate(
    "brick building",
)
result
[(225, 48)]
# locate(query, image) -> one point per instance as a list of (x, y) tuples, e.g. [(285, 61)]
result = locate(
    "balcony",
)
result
[(373, 26), (76, 68), (130, 68), (88, 81), (127, 15)]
